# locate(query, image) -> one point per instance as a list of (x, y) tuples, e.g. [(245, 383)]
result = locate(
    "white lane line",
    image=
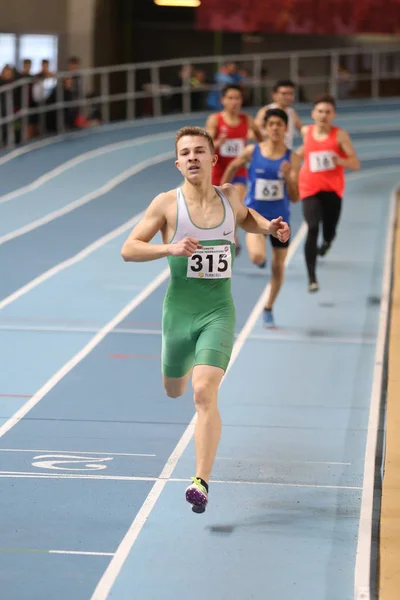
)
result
[(73, 452), (28, 148), (106, 582), (70, 329), (362, 575), (25, 289), (40, 551), (371, 154), (132, 124), (275, 484), (201, 116), (50, 475), (278, 337), (165, 480), (112, 184), (256, 459), (99, 130), (371, 129), (101, 191), (385, 116), (312, 339), (81, 158), (79, 553), (231, 458), (108, 237), (140, 141), (75, 360)]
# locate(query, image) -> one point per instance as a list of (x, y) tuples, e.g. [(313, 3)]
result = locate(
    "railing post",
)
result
[(42, 114), (10, 113), (333, 82), (155, 91), (24, 109), (375, 75), (105, 100), (60, 110), (130, 101), (257, 81), (294, 73), (186, 95)]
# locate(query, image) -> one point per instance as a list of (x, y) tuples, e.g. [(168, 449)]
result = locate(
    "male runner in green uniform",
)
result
[(197, 223)]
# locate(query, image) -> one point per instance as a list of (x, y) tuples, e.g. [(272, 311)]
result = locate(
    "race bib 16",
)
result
[(322, 161)]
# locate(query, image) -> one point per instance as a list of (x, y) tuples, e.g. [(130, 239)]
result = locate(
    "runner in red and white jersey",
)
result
[(327, 151)]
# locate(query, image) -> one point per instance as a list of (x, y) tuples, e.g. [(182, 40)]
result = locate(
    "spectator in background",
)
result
[(25, 73), (74, 64), (70, 112), (74, 91), (247, 91), (73, 119), (343, 82), (45, 73), (26, 68), (301, 93), (183, 78), (94, 114), (44, 85), (199, 86), (7, 76), (228, 73)]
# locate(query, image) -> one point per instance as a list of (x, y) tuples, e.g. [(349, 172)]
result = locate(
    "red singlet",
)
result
[(318, 172), (236, 140)]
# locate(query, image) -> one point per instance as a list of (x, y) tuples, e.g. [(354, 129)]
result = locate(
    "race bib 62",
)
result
[(231, 148), (269, 189)]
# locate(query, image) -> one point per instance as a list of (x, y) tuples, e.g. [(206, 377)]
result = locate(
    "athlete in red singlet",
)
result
[(230, 131), (327, 151)]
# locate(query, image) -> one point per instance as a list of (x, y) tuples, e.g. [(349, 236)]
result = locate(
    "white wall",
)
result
[(80, 30), (71, 20)]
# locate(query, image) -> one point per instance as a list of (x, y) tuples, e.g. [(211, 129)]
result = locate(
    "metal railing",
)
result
[(130, 91)]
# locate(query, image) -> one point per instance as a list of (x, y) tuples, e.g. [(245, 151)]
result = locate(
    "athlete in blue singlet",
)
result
[(273, 175)]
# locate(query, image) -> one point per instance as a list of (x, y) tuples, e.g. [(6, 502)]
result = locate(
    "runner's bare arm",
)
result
[(304, 130), (300, 152), (251, 221), (297, 122), (137, 247), (292, 177), (252, 125), (351, 161), (259, 120), (240, 161), (212, 127)]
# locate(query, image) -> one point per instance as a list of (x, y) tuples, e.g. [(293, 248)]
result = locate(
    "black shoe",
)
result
[(322, 250)]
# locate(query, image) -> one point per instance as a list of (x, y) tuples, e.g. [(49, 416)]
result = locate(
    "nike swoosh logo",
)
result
[(228, 232)]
